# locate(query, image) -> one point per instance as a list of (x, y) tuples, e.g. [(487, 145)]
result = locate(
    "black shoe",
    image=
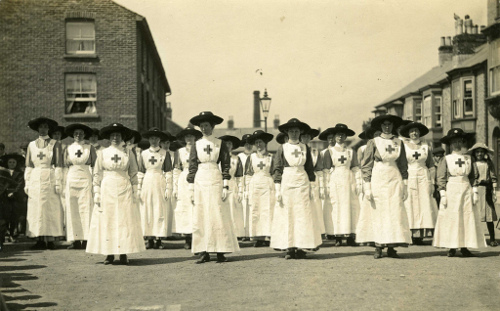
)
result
[(39, 245), (290, 254), (84, 244), (451, 252), (75, 245), (338, 242), (418, 241), (391, 252), (204, 257), (267, 243), (150, 244), (109, 259), (188, 243), (221, 258), (124, 260), (378, 253), (351, 242), (158, 244), (259, 243), (300, 254), (466, 253), (51, 246)]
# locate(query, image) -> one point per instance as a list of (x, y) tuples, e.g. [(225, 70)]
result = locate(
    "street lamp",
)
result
[(265, 103)]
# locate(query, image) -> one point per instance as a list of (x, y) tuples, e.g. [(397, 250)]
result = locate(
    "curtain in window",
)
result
[(80, 37), (81, 93)]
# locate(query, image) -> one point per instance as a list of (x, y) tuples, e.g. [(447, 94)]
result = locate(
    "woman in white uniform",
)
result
[(326, 201), (155, 189), (44, 178), (115, 227), (79, 158), (259, 185), (458, 222), (213, 230), (236, 186), (295, 228), (385, 172), (183, 212), (420, 204), (247, 151), (344, 182)]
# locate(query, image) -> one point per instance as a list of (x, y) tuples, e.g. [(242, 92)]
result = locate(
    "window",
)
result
[(81, 93), (457, 108), (495, 80), (418, 111), (438, 112), (428, 111), (468, 98), (80, 37)]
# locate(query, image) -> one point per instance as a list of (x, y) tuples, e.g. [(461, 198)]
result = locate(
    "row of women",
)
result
[(282, 197)]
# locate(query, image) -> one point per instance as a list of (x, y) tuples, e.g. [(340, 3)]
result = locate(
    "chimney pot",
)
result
[(448, 41), (230, 123), (442, 41)]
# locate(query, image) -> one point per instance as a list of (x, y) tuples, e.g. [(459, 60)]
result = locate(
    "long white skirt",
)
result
[(155, 210), (213, 230), (327, 208), (318, 210), (236, 209), (345, 205), (45, 213), (79, 202), (294, 221), (365, 226), (389, 215), (458, 223), (420, 205), (116, 226), (261, 199), (183, 211)]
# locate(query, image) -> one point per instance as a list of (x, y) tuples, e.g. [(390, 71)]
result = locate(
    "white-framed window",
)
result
[(81, 93), (468, 95), (427, 121), (418, 111), (456, 102), (80, 37), (438, 112)]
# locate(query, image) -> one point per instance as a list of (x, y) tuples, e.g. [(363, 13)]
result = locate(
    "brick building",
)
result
[(88, 61)]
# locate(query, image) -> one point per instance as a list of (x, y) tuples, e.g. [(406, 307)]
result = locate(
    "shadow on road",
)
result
[(16, 297), (156, 261)]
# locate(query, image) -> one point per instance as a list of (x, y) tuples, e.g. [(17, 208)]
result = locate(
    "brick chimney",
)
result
[(445, 51), (256, 109), (230, 123), (276, 121)]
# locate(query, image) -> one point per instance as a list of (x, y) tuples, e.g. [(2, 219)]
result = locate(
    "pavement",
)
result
[(334, 278)]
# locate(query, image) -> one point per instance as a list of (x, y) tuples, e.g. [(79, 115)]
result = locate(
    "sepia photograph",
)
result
[(178, 155)]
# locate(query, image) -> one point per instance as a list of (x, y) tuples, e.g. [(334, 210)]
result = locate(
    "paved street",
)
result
[(335, 278)]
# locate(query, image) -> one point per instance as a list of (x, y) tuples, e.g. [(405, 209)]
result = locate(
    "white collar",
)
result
[(154, 149), (44, 137)]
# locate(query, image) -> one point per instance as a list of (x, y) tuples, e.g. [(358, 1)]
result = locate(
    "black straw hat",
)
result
[(405, 130), (206, 116), (70, 129), (35, 123), (115, 128), (280, 138), (294, 122), (95, 131), (154, 131), (260, 134), (189, 131), (367, 134), (144, 144), (135, 135), (175, 145), (454, 133), (16, 156), (312, 132), (170, 137), (233, 139), (244, 139), (58, 128), (377, 122)]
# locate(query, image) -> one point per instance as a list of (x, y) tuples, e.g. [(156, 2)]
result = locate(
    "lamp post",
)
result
[(265, 103)]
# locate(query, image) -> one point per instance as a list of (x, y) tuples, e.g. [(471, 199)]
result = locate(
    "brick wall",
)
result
[(447, 113), (33, 64), (481, 108)]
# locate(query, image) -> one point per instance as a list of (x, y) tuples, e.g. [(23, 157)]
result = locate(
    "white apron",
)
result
[(155, 210), (79, 197), (45, 213), (294, 222), (116, 226), (316, 200), (326, 203), (261, 197), (458, 223), (213, 230), (235, 206), (365, 226), (420, 205), (246, 210), (345, 203), (387, 187), (183, 211)]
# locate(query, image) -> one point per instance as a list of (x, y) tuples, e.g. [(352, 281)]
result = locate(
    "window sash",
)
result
[(438, 112), (468, 98), (80, 37)]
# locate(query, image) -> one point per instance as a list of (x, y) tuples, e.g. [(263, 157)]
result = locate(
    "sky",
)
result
[(323, 61)]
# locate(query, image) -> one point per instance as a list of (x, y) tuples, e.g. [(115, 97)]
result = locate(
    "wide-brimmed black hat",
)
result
[(454, 133), (280, 138), (235, 140), (5, 175), (260, 134), (144, 144), (35, 123), (95, 131), (367, 134), (70, 129), (170, 137), (405, 130), (377, 122), (339, 128), (189, 131), (16, 156), (115, 128), (156, 132), (438, 150), (135, 135), (294, 122), (206, 116), (312, 132), (244, 139), (58, 128), (175, 145)]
